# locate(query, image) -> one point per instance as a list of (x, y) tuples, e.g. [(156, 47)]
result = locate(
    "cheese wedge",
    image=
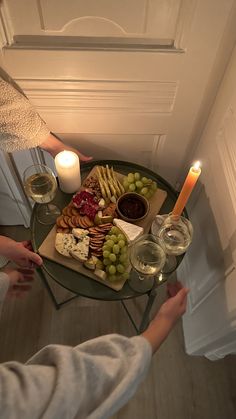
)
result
[(81, 250), (65, 243), (131, 231), (80, 233)]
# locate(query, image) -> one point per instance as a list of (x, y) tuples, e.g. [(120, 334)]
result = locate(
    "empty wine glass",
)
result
[(41, 185), (147, 257), (176, 233)]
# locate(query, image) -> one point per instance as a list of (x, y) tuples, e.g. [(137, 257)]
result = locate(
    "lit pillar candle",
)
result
[(187, 188), (68, 171)]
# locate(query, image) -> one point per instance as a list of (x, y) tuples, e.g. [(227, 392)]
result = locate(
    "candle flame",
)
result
[(197, 165)]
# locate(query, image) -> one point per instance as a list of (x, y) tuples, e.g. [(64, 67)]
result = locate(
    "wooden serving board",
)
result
[(47, 248)]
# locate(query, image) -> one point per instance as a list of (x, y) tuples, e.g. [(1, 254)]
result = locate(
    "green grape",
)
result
[(112, 257), (125, 275), (121, 243), (110, 243), (120, 268), (139, 184), (124, 250), (126, 184), (148, 195), (114, 230), (123, 258), (125, 179), (130, 177), (137, 176), (144, 191), (107, 237), (112, 278), (106, 262), (106, 254), (132, 187), (153, 186), (144, 180), (116, 249), (112, 269), (107, 268), (114, 238), (121, 237), (99, 264)]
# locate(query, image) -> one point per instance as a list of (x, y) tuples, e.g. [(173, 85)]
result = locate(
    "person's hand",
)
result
[(19, 252), (175, 306), (167, 316), (54, 146), (20, 281)]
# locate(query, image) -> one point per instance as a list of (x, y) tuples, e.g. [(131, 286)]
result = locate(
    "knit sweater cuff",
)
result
[(16, 143)]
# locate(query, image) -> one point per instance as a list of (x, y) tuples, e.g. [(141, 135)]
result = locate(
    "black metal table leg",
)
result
[(145, 319), (52, 296)]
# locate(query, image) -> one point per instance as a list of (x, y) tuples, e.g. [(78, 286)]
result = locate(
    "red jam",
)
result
[(132, 207)]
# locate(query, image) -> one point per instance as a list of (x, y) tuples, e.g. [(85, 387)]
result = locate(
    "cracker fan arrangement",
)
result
[(90, 231)]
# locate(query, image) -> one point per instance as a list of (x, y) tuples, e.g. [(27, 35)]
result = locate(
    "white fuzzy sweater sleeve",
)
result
[(92, 380), (20, 125)]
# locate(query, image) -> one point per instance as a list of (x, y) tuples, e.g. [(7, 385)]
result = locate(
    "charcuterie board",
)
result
[(48, 250)]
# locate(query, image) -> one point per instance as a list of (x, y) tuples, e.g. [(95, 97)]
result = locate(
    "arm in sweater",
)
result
[(21, 126), (92, 380)]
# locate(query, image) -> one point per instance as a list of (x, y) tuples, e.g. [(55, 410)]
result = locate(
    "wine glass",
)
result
[(41, 185), (176, 233), (147, 257)]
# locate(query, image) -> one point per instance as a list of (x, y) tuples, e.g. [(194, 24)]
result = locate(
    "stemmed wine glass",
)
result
[(176, 233), (147, 257), (41, 185)]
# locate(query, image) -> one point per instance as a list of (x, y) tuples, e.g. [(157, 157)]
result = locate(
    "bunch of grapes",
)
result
[(142, 185), (115, 255)]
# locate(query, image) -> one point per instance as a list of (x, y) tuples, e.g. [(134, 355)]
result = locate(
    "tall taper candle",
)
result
[(68, 171), (187, 188)]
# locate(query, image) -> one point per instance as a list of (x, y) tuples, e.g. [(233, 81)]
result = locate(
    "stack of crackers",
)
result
[(71, 218), (97, 238)]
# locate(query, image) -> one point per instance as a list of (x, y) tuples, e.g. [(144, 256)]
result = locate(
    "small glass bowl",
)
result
[(127, 198)]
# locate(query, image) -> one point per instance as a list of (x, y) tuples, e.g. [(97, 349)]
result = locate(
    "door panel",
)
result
[(154, 84), (93, 19)]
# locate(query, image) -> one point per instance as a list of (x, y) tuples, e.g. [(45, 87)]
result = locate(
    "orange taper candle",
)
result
[(190, 181)]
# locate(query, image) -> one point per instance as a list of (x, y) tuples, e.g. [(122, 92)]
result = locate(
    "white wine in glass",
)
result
[(176, 233), (41, 185), (147, 256)]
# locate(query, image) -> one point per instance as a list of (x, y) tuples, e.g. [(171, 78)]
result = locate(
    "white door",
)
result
[(128, 79), (210, 264), (15, 207)]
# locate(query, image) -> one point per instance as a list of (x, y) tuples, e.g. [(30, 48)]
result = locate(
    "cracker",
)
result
[(71, 224), (63, 230)]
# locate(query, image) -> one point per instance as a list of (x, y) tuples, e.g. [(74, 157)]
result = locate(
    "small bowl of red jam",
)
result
[(132, 207)]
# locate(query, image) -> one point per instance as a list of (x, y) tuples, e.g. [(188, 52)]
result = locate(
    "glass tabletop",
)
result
[(77, 282)]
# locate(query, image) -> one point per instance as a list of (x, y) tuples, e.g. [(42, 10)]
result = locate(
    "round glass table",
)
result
[(78, 283)]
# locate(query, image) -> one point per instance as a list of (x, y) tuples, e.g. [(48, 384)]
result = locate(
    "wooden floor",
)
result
[(177, 387)]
